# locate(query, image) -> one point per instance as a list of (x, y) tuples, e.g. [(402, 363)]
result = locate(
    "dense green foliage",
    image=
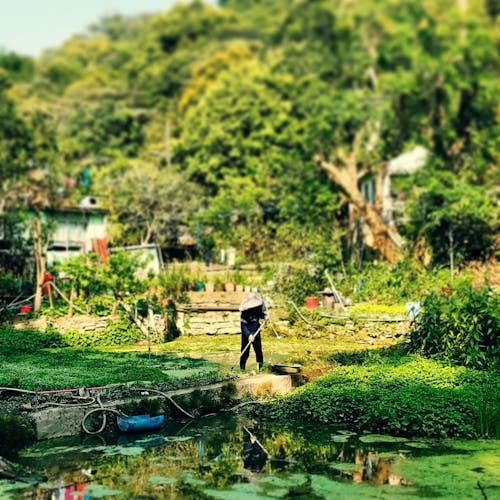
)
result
[(13, 340), (375, 282), (462, 326), (25, 341), (116, 333), (212, 115), (453, 217), (402, 396)]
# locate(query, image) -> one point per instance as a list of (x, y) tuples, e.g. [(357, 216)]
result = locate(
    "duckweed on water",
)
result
[(161, 480), (379, 438), (100, 491), (458, 472), (304, 462)]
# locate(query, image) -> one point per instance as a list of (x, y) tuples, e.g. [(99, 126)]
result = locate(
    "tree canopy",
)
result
[(241, 101)]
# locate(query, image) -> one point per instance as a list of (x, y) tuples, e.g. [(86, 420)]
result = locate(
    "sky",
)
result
[(29, 27)]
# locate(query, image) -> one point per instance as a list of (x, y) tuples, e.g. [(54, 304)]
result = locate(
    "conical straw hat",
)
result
[(251, 300)]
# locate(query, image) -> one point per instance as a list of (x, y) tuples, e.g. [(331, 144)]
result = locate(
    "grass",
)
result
[(311, 353), (51, 369), (183, 361)]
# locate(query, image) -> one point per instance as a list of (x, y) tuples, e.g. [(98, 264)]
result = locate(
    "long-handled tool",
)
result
[(251, 338), (268, 317)]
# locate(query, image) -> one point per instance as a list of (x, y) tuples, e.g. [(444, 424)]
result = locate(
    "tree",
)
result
[(424, 99), (244, 143), (29, 182), (345, 170), (253, 91), (149, 204), (117, 275), (15, 143), (20, 68), (456, 220), (106, 128)]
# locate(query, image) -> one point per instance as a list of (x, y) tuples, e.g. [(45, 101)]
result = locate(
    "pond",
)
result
[(241, 458)]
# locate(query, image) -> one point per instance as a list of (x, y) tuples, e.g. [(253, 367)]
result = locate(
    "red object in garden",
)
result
[(25, 309), (46, 279), (312, 302)]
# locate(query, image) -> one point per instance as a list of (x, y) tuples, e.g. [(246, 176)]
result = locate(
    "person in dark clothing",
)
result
[(254, 455), (252, 311)]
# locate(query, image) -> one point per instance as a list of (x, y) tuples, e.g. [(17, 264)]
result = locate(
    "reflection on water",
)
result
[(225, 458)]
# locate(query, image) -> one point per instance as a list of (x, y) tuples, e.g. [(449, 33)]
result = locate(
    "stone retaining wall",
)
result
[(210, 313), (208, 322)]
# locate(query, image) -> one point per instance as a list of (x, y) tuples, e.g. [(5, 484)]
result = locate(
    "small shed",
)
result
[(150, 259), (78, 230)]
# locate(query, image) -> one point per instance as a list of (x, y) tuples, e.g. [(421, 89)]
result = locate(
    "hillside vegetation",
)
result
[(250, 124)]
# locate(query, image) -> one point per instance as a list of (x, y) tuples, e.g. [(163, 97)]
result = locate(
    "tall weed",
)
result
[(461, 325)]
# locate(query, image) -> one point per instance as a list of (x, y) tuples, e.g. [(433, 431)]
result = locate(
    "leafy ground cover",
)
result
[(51, 369), (31, 364), (400, 395)]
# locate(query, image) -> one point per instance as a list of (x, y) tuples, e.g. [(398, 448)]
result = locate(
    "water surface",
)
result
[(238, 458)]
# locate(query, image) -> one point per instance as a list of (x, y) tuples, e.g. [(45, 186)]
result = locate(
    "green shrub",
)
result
[(299, 283), (8, 283), (13, 340), (414, 396), (393, 283), (119, 332), (101, 305), (177, 280), (460, 326)]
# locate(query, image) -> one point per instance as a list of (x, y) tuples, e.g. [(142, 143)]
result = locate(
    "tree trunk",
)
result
[(39, 261), (346, 175)]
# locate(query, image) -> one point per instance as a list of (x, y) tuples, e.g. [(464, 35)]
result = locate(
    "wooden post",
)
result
[(71, 298), (49, 293), (334, 290), (39, 261)]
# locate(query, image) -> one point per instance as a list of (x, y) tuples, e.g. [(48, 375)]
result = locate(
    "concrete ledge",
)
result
[(60, 421), (264, 383)]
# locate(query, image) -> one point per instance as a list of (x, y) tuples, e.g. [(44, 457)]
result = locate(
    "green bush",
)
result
[(299, 283), (13, 340), (116, 333), (414, 396), (101, 305), (8, 284), (394, 283), (177, 280), (460, 326), (449, 205)]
